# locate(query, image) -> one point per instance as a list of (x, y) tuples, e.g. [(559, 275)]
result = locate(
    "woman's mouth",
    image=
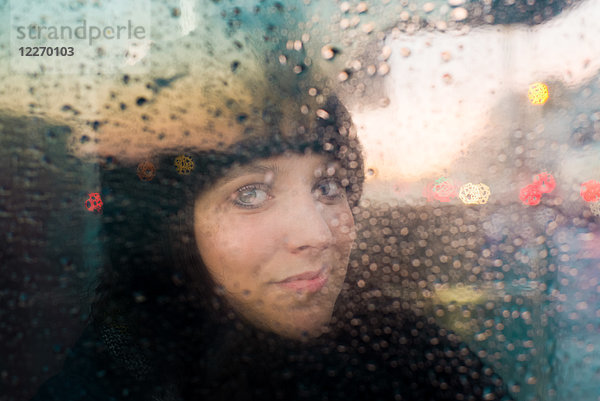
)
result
[(311, 281)]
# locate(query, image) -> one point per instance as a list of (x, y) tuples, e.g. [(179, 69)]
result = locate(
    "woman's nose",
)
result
[(307, 226)]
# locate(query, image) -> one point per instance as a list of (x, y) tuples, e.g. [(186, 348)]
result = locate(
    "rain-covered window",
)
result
[(312, 199)]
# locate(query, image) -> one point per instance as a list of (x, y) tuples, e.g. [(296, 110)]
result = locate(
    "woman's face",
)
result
[(276, 236)]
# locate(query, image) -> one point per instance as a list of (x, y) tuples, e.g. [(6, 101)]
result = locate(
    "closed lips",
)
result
[(304, 276), (311, 281), (309, 275)]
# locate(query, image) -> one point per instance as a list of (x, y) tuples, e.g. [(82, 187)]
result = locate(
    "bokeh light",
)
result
[(590, 191), (94, 202), (184, 164), (538, 93), (474, 194), (442, 189), (530, 195), (545, 182), (146, 171)]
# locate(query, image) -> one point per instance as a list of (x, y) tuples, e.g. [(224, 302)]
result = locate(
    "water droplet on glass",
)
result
[(384, 69), (368, 28), (328, 52), (428, 7), (459, 14), (362, 7), (322, 114)]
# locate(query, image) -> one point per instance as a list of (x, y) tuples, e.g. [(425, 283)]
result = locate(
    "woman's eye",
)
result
[(251, 196), (329, 189)]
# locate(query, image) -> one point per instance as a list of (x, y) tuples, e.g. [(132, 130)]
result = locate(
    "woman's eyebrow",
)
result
[(249, 169)]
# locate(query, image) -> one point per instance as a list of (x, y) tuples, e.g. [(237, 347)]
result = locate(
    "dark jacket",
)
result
[(376, 351)]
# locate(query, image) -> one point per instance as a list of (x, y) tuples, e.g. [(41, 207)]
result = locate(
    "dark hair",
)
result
[(144, 296)]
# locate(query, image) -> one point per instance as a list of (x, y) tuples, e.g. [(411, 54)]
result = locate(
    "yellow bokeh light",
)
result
[(184, 164), (460, 295), (473, 194), (538, 93)]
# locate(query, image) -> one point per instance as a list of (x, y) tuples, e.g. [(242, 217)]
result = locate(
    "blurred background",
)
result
[(480, 122)]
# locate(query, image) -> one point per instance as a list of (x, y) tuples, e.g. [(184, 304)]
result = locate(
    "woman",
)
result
[(227, 274), (232, 282)]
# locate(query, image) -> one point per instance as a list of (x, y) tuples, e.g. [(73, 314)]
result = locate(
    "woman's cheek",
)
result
[(240, 233), (240, 246), (346, 218), (342, 225)]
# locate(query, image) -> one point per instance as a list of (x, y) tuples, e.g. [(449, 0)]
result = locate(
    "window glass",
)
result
[(345, 198)]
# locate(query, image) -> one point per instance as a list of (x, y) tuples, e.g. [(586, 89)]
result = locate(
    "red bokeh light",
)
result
[(443, 190), (94, 203), (545, 182), (590, 191), (531, 194)]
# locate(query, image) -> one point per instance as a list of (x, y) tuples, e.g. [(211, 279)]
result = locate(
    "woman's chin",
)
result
[(303, 326), (301, 333)]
